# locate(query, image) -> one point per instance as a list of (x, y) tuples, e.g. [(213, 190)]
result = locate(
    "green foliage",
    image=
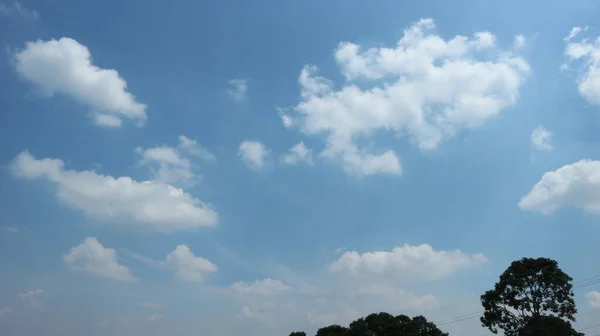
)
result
[(548, 326), (528, 289), (298, 333)]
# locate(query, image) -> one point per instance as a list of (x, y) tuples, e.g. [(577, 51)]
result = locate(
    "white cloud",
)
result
[(588, 52), (576, 184), (191, 147), (31, 293), (298, 153), (426, 88), (65, 67), (5, 311), (593, 299), (92, 258), (174, 165), (238, 88), (253, 153), (17, 9), (541, 139), (266, 287), (149, 204), (406, 262), (519, 42), (573, 33), (187, 266), (286, 118), (167, 165)]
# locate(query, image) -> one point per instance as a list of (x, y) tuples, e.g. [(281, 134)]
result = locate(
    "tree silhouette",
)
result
[(528, 289), (548, 326)]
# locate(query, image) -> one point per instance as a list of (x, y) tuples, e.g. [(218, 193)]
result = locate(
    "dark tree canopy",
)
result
[(548, 326), (333, 330), (384, 324), (298, 333), (529, 288)]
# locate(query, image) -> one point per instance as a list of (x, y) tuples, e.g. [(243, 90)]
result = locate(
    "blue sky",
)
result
[(262, 167)]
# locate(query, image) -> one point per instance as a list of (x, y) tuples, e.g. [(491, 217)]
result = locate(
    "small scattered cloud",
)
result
[(297, 154), (65, 67), (174, 165), (10, 229), (16, 9), (31, 293), (154, 317), (286, 119), (34, 298), (593, 299), (519, 42), (92, 258), (238, 89), (5, 311), (265, 287), (254, 153), (187, 266), (541, 139), (191, 147), (574, 32)]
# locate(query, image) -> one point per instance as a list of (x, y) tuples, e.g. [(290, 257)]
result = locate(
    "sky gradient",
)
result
[(259, 167)]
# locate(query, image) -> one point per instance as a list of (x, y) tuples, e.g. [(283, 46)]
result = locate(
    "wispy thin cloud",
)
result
[(9, 229), (16, 9), (238, 89)]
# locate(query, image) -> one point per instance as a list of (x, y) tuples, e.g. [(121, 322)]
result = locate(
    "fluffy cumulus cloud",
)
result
[(541, 139), (65, 67), (587, 53), (187, 266), (265, 287), (149, 204), (576, 184), (254, 153), (420, 262), (298, 154), (173, 165), (237, 89), (593, 299), (425, 87), (92, 258)]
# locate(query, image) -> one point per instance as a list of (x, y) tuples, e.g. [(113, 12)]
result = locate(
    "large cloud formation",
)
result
[(425, 87)]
